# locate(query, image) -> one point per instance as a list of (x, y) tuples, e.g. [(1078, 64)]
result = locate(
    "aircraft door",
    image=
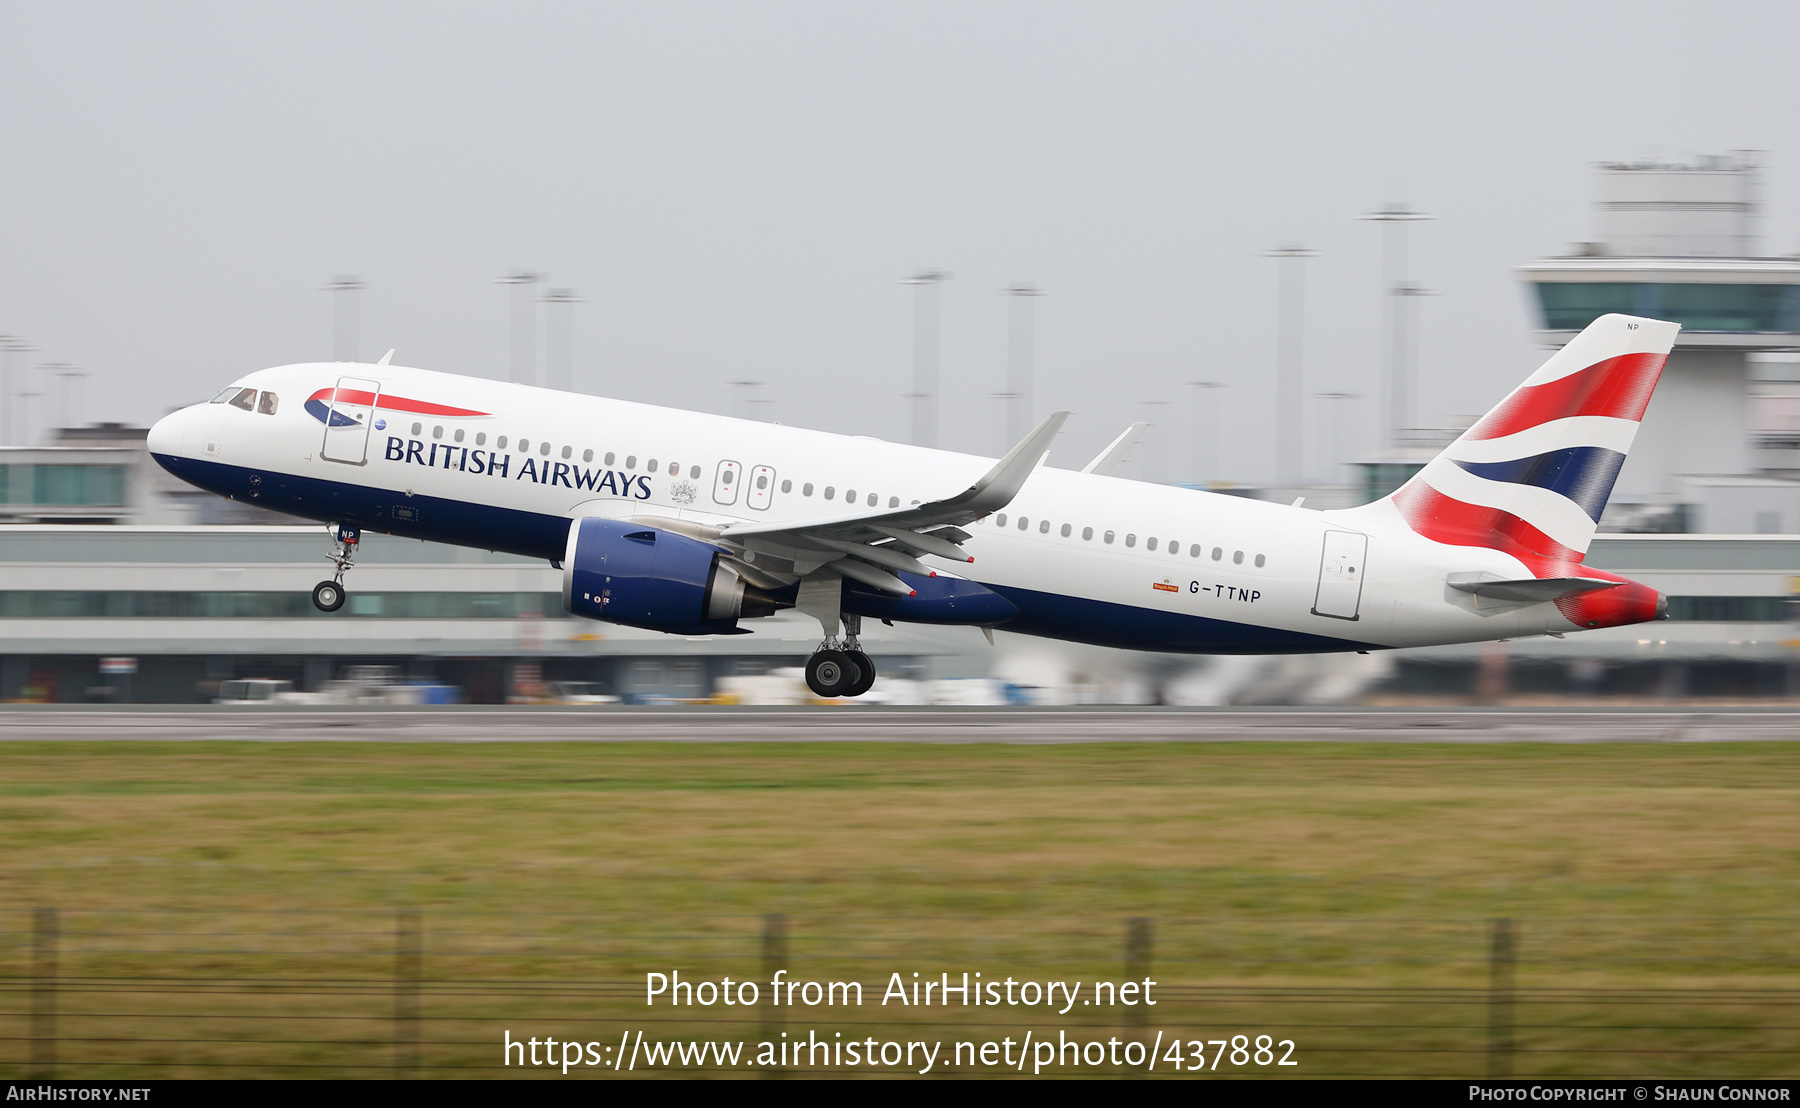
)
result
[(349, 414), (726, 482), (1341, 575), (762, 488)]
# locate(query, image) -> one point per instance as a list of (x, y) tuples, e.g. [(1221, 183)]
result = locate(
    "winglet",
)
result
[(999, 485), (385, 358), (1107, 462)]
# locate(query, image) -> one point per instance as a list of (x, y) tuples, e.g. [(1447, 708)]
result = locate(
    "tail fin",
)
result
[(1532, 477)]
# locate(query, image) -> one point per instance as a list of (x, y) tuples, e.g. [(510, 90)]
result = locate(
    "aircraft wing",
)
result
[(869, 546)]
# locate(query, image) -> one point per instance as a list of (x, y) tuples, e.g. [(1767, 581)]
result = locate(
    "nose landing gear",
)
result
[(844, 670), (328, 596)]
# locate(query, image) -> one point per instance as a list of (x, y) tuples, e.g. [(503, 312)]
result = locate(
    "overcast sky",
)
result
[(736, 190)]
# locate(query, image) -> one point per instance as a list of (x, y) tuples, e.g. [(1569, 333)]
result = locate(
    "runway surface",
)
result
[(909, 725)]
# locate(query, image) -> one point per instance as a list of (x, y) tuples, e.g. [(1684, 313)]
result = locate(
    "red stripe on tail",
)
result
[(1619, 387), (1455, 522)]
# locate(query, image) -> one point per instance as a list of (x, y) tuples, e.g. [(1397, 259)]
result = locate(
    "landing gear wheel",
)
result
[(831, 673), (328, 596), (865, 670)]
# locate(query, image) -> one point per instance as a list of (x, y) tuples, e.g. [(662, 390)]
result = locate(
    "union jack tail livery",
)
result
[(1532, 477)]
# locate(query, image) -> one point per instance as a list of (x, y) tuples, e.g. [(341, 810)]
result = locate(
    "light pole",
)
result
[(1336, 422), (9, 345), (346, 322), (1290, 419), (559, 338), (1405, 353), (747, 396), (1160, 472), (67, 377), (26, 396), (1394, 218), (1018, 362), (1206, 454), (925, 285), (522, 344)]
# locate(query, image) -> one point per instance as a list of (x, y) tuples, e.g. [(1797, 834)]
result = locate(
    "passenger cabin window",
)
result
[(1218, 552), (1024, 523), (1149, 543), (893, 502), (609, 457), (806, 489), (1260, 560), (500, 443), (728, 475), (1087, 534), (1108, 537), (1175, 549), (1130, 540), (1194, 551), (650, 465), (587, 455), (1044, 527), (1237, 558), (872, 499), (481, 438), (437, 432), (544, 449), (267, 404), (1000, 520), (762, 481), (631, 461), (567, 450), (418, 428), (459, 434), (787, 486), (849, 496), (245, 399), (524, 446), (829, 492), (694, 472)]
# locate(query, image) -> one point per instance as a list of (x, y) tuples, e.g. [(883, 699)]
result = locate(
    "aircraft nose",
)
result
[(165, 435)]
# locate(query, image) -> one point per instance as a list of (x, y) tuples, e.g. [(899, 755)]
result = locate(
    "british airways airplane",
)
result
[(696, 524)]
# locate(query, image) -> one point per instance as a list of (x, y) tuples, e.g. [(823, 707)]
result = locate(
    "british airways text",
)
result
[(443, 455)]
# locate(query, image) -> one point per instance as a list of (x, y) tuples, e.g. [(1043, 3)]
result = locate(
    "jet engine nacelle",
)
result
[(624, 572)]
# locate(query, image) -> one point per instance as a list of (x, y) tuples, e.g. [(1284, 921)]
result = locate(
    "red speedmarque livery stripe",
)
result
[(1455, 522), (1619, 387), (393, 403)]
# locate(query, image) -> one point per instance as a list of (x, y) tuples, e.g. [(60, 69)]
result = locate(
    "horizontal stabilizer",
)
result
[(1529, 590)]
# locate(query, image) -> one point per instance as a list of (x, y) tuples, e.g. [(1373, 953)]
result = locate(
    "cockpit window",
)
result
[(225, 395), (245, 399), (267, 404)]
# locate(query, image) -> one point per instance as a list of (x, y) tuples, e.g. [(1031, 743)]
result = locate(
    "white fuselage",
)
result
[(1123, 551)]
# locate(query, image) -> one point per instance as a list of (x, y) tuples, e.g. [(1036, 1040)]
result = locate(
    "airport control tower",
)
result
[(1680, 242)]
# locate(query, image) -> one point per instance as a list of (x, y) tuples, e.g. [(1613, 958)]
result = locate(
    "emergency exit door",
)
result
[(1341, 575)]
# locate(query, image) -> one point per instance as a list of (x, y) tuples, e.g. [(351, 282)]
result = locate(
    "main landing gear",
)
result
[(328, 596), (841, 670)]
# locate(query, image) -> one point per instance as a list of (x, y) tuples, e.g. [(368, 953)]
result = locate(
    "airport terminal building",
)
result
[(165, 614)]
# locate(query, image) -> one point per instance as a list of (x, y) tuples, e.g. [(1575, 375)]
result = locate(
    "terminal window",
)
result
[(1754, 309), (63, 486)]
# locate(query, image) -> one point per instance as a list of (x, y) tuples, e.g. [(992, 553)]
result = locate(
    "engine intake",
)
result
[(624, 572)]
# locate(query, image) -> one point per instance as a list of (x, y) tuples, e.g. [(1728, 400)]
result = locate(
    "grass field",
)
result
[(230, 909)]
